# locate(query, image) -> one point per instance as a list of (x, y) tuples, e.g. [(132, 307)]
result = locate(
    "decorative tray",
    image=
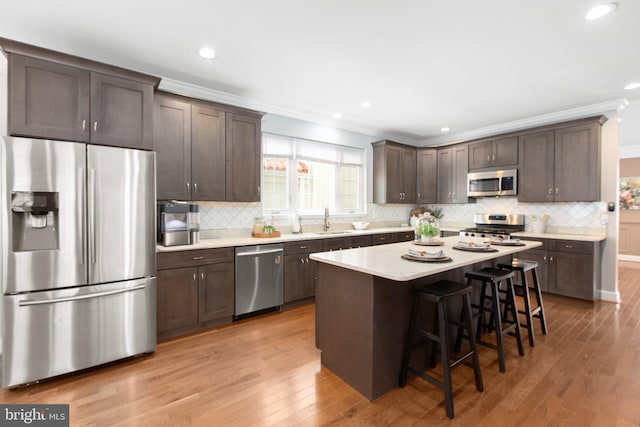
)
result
[(504, 243), (426, 259), (432, 243), (475, 249), (272, 234)]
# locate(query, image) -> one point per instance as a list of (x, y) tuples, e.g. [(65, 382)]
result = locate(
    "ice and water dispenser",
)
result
[(35, 220), (178, 223)]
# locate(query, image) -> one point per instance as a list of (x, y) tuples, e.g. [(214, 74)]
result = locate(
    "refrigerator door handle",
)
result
[(25, 303), (80, 213), (92, 215)]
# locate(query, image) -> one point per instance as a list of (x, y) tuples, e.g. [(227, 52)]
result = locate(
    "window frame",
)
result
[(292, 175)]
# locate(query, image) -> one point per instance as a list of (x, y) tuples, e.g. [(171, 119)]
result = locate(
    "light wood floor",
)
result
[(267, 372)]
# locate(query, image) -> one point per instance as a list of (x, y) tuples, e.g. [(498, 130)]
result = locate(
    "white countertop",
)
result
[(562, 236), (386, 260), (225, 242)]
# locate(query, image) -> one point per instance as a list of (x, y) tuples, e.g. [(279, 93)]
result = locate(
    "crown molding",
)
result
[(199, 92), (530, 122), (195, 91)]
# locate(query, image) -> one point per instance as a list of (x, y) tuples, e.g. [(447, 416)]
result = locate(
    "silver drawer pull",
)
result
[(198, 257), (303, 247)]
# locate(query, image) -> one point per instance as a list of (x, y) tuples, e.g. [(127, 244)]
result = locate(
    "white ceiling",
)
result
[(423, 64)]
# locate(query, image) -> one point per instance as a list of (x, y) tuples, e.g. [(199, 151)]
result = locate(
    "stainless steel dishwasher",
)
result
[(259, 278)]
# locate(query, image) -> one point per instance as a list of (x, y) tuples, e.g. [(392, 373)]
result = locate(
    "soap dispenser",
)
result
[(296, 228)]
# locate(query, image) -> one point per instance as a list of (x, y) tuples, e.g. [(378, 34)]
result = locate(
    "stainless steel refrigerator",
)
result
[(77, 256)]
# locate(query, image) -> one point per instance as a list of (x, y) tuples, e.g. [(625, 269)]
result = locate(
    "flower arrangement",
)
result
[(435, 212)]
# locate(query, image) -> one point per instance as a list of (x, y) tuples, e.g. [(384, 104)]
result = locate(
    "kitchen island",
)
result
[(363, 300)]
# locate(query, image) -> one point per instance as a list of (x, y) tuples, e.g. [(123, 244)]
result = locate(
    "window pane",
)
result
[(275, 183), (316, 189), (350, 188)]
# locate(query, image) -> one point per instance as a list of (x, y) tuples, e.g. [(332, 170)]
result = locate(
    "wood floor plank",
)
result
[(266, 372)]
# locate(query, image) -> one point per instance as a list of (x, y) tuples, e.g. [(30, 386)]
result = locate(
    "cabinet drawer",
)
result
[(576, 246), (382, 238), (187, 258), (545, 242), (360, 241), (303, 246), (405, 236)]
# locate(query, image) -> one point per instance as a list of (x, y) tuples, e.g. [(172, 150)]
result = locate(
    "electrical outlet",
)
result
[(604, 219)]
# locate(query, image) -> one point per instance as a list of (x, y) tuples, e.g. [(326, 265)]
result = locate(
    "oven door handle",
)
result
[(26, 303)]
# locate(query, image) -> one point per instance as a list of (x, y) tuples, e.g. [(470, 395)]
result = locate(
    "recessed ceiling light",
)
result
[(337, 115), (444, 129), (632, 86), (365, 104), (600, 11), (206, 53)]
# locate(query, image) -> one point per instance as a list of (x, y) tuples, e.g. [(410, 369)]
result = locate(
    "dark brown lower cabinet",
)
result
[(567, 267), (195, 290), (300, 272)]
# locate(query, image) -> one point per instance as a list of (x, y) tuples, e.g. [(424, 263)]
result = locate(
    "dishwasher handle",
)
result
[(270, 251)]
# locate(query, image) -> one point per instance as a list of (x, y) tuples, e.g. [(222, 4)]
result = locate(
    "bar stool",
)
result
[(439, 293), (522, 266), (506, 323)]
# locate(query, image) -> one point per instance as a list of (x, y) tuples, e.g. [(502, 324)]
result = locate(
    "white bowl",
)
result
[(360, 225)]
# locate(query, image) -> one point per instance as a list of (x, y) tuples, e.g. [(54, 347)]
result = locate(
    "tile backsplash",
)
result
[(226, 219)]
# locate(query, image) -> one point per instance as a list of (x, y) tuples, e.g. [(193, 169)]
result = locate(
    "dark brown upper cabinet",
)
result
[(243, 153), (493, 153), (205, 153), (58, 96), (453, 165), (394, 173), (561, 164), (189, 140), (427, 175)]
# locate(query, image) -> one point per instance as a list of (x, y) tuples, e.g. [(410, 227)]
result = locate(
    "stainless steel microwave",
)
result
[(492, 183)]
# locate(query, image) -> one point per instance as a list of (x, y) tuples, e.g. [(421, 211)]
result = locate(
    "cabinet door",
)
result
[(427, 175), (394, 161), (577, 164), (535, 167), (243, 158), (408, 176), (177, 299), (208, 150), (542, 258), (480, 155), (459, 173), (121, 112), (571, 274), (504, 151), (216, 291), (48, 100), (383, 239), (295, 268), (172, 144), (445, 171)]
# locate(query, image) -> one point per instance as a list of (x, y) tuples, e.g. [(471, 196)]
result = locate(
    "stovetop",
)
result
[(495, 225)]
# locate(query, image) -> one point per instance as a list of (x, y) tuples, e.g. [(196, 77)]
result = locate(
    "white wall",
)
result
[(609, 193), (3, 131)]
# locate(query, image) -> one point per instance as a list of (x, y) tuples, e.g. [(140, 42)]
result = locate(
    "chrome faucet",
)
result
[(326, 224)]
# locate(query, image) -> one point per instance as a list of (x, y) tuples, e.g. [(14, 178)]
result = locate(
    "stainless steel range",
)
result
[(494, 225)]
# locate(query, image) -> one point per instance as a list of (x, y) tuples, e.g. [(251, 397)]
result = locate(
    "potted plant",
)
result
[(427, 228)]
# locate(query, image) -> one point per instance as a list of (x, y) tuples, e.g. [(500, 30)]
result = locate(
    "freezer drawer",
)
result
[(259, 278), (52, 333)]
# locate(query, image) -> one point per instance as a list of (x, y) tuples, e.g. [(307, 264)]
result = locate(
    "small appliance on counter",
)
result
[(178, 223)]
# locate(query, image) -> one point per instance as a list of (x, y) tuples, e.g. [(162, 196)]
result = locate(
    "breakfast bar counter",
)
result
[(363, 300)]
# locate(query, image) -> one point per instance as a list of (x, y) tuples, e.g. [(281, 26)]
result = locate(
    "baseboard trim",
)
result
[(609, 296), (632, 258)]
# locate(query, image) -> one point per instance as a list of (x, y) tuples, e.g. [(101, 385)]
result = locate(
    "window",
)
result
[(307, 176)]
